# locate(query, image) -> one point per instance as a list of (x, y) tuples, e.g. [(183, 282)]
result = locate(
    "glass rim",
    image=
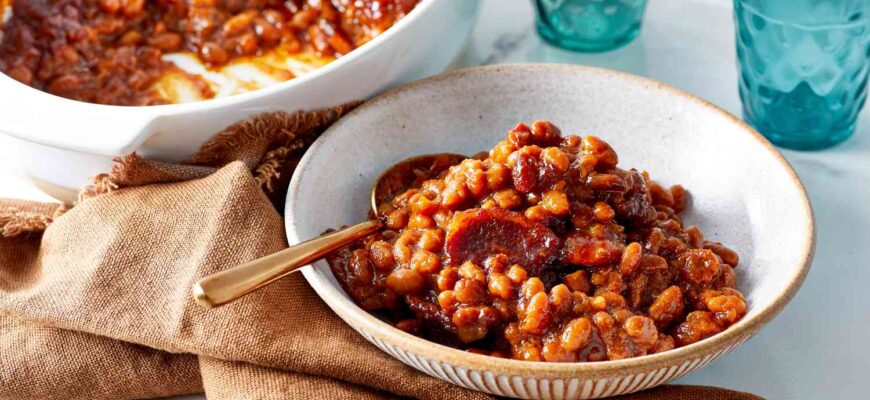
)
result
[(823, 26)]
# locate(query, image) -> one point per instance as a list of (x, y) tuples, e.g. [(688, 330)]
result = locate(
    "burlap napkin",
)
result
[(95, 300)]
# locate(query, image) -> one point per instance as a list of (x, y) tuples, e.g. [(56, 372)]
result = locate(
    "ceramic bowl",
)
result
[(60, 143), (743, 193)]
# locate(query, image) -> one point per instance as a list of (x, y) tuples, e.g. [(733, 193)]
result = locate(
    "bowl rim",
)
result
[(362, 320)]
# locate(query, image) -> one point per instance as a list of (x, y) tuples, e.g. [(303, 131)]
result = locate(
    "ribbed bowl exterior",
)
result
[(531, 387)]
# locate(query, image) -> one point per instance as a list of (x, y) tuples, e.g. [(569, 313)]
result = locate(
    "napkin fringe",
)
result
[(270, 168), (273, 126), (16, 222), (104, 182), (237, 134)]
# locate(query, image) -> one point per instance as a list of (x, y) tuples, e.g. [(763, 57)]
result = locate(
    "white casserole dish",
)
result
[(60, 143)]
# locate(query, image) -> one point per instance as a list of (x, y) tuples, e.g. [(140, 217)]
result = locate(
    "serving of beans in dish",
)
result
[(110, 51), (544, 249)]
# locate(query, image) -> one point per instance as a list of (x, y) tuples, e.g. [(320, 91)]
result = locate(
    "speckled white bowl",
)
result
[(743, 194)]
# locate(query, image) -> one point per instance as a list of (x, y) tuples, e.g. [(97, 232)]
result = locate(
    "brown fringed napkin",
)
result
[(95, 301)]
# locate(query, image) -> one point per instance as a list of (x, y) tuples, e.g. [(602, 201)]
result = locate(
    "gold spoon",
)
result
[(225, 286)]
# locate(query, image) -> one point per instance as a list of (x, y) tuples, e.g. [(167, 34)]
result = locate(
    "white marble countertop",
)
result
[(816, 348)]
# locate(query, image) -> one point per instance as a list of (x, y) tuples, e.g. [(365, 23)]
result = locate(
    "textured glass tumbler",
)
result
[(589, 25), (803, 68)]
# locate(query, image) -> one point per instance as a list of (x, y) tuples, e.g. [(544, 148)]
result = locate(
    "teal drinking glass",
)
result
[(803, 68), (589, 25)]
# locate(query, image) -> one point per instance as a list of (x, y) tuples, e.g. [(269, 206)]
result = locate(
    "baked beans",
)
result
[(545, 250), (110, 51)]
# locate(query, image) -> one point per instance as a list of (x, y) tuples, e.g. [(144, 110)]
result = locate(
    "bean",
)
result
[(470, 270), (681, 198), (447, 278), (660, 195), (603, 212), (431, 239), (469, 291), (631, 257), (537, 317), (130, 38), (605, 157), (667, 306), (238, 23), (266, 31), (642, 330), (698, 267), (425, 262), (517, 274), (727, 255), (166, 42), (497, 177), (213, 54), (556, 159), (546, 133), (303, 19), (132, 8), (500, 286), (405, 281), (555, 202), (381, 255), (247, 44), (507, 199), (576, 334)]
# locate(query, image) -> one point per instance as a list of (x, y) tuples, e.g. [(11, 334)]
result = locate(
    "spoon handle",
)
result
[(225, 286)]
